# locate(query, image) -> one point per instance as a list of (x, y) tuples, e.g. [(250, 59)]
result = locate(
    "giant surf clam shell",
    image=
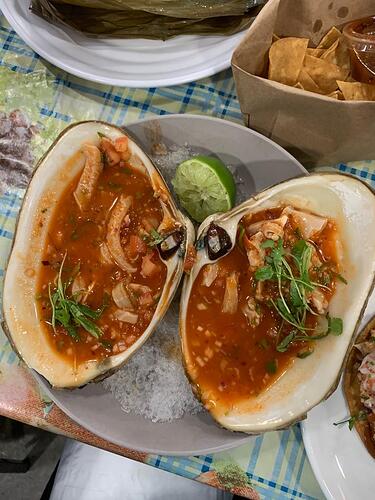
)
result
[(52, 175), (351, 204)]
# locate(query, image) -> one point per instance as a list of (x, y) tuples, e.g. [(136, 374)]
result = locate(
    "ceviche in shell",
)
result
[(96, 268), (269, 310)]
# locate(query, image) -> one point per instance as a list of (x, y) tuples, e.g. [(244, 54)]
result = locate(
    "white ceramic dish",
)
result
[(341, 463), (127, 63), (259, 163)]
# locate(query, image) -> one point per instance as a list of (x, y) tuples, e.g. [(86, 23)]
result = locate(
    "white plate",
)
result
[(128, 63), (341, 463)]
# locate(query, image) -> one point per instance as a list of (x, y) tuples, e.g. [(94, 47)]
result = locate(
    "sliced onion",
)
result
[(90, 175), (210, 274), (230, 301), (121, 297), (148, 267), (118, 213), (308, 224), (105, 255), (139, 289), (79, 288), (254, 251), (136, 164), (126, 316)]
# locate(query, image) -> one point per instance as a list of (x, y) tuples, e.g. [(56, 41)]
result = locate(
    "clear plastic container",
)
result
[(360, 35)]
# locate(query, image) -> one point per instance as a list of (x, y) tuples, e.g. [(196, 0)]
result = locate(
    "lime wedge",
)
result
[(204, 186)]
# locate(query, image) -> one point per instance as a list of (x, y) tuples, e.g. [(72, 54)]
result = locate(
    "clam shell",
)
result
[(53, 173), (351, 203)]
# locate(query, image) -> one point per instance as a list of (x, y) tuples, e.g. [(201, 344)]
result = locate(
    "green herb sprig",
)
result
[(358, 417), (292, 304), (153, 238), (70, 313)]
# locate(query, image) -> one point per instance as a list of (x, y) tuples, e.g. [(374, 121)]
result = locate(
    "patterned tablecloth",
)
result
[(36, 102)]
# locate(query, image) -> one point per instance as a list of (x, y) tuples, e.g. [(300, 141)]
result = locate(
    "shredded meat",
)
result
[(230, 301), (271, 229), (367, 379), (210, 274), (317, 299), (251, 311), (255, 253)]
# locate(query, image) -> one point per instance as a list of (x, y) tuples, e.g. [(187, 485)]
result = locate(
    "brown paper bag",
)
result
[(317, 130)]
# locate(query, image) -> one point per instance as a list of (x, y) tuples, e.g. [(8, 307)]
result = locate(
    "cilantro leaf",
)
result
[(264, 273), (335, 326)]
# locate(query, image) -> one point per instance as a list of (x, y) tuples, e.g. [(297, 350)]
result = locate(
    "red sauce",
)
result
[(78, 235), (233, 361)]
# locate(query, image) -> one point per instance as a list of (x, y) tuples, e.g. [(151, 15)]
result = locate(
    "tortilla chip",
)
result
[(324, 73), (337, 94), (298, 86), (315, 52), (286, 58), (329, 38), (308, 83), (357, 91), (338, 54)]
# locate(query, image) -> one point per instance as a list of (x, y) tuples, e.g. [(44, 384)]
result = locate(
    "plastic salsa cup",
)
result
[(360, 35)]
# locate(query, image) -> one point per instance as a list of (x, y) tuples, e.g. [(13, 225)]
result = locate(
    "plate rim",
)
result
[(12, 19), (314, 461), (148, 450)]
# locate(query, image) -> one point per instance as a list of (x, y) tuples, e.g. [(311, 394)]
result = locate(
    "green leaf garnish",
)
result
[(263, 343), (305, 353), (268, 244), (340, 277), (102, 136), (335, 326), (358, 417), (154, 238), (271, 366), (70, 313), (264, 273), (294, 283), (284, 344)]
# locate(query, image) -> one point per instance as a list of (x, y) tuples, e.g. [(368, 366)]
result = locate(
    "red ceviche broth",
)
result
[(101, 275), (252, 312)]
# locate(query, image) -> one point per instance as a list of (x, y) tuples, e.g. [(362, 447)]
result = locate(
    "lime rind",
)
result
[(204, 186)]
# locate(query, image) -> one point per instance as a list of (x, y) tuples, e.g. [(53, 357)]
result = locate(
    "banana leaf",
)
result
[(190, 9), (129, 23)]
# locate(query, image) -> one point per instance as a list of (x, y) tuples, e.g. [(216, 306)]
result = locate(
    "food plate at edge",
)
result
[(126, 63)]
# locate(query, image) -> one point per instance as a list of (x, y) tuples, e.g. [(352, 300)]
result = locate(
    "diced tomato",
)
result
[(146, 299), (190, 258), (148, 267), (112, 156), (122, 147), (136, 246), (121, 144)]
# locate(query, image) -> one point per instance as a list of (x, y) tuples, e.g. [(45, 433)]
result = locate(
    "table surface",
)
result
[(270, 466)]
